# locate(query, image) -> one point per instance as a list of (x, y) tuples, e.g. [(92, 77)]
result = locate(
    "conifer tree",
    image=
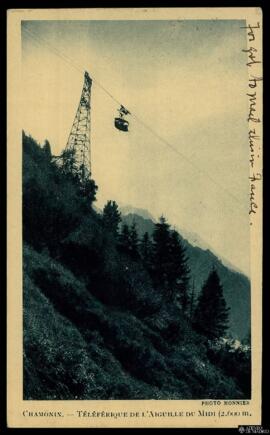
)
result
[(111, 217), (128, 240), (124, 238), (134, 241), (191, 304), (47, 150), (211, 314), (89, 190), (179, 271), (160, 258), (146, 248), (169, 268)]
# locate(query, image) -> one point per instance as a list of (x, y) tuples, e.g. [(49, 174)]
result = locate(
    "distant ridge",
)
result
[(193, 238), (128, 209)]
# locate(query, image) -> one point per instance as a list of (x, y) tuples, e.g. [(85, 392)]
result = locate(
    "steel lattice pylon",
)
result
[(77, 154)]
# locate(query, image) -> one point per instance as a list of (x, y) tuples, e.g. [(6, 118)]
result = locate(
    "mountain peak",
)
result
[(128, 209)]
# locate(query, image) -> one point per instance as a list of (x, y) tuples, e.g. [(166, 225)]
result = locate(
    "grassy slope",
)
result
[(98, 352), (92, 327)]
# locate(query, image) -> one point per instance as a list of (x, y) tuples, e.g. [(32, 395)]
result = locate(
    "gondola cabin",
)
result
[(121, 124)]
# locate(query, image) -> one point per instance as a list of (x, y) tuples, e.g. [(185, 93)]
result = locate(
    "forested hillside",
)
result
[(236, 285), (111, 314)]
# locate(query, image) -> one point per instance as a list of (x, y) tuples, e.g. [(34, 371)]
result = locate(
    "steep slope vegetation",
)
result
[(94, 327)]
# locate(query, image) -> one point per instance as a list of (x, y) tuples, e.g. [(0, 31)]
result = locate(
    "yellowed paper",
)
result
[(182, 98)]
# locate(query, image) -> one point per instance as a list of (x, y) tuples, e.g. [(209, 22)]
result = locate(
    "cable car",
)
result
[(121, 123)]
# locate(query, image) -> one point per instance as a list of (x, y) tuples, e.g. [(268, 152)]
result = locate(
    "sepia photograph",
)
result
[(140, 183)]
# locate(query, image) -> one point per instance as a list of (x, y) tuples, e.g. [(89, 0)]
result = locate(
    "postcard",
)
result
[(135, 217)]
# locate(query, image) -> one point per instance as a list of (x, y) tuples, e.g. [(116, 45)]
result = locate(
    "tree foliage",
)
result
[(146, 249), (111, 217), (170, 264), (128, 241), (211, 314), (124, 238), (179, 271), (134, 241), (160, 258), (47, 150)]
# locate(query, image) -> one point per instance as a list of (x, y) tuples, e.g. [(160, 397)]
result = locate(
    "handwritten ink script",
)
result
[(254, 114)]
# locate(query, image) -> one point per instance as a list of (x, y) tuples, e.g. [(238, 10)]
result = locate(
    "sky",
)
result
[(187, 81)]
